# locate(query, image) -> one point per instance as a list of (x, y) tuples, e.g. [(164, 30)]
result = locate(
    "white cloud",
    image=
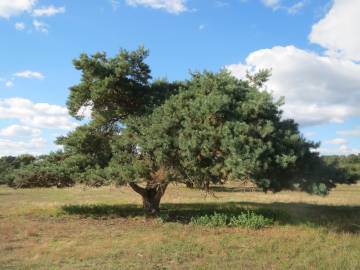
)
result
[(19, 26), (20, 139), (353, 133), (115, 4), (338, 31), (85, 111), (296, 7), (171, 6), (40, 26), (19, 131), (33, 146), (28, 74), (48, 11), (274, 4), (337, 141), (277, 4), (202, 27), (36, 115), (10, 8), (341, 150), (9, 83), (317, 89)]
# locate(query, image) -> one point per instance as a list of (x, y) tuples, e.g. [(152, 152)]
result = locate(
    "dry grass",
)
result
[(104, 229)]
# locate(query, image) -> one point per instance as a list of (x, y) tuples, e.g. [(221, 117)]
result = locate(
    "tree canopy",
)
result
[(210, 128)]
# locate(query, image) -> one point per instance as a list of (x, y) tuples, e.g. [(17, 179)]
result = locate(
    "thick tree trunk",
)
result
[(151, 196)]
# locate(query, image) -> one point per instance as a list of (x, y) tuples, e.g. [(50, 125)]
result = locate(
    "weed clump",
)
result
[(248, 219)]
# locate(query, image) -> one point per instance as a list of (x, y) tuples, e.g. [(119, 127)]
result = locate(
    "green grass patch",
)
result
[(249, 219)]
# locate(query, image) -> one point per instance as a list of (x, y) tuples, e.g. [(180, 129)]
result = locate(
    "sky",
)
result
[(311, 46)]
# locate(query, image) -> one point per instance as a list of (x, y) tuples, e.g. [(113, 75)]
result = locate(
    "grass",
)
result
[(85, 228)]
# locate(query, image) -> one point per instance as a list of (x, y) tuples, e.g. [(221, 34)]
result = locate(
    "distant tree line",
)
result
[(349, 164)]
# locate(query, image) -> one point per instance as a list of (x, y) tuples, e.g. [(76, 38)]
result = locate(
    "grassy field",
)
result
[(85, 228)]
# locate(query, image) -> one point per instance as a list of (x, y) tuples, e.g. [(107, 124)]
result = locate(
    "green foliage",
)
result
[(220, 128), (42, 174), (89, 143), (9, 163), (95, 177), (248, 219), (209, 129), (116, 88), (349, 165), (258, 79)]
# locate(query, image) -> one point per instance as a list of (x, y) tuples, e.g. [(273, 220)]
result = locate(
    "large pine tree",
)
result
[(209, 129)]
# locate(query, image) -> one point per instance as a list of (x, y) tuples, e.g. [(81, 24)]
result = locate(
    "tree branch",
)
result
[(137, 188), (161, 190)]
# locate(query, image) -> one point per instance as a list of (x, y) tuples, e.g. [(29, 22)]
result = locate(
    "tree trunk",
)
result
[(207, 186), (151, 196), (189, 184)]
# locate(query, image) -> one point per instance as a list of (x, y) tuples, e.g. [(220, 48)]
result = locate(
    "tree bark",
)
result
[(151, 196)]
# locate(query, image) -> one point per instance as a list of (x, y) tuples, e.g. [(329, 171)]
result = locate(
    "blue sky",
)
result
[(312, 47)]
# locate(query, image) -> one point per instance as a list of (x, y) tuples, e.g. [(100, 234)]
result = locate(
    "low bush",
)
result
[(249, 219), (42, 175)]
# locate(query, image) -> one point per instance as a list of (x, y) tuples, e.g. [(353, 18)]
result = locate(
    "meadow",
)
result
[(104, 228)]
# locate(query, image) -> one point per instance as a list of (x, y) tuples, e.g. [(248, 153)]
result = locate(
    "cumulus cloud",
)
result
[(317, 89), (19, 26), (338, 31), (28, 74), (48, 11), (36, 115), (278, 4), (171, 6), (33, 146), (9, 83), (30, 120), (337, 141), (115, 4), (10, 8), (85, 112), (341, 150), (295, 8), (40, 26), (274, 4), (352, 132), (340, 147), (19, 131), (21, 139)]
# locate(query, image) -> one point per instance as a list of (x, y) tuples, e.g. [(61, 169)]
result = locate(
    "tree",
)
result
[(44, 171), (209, 129), (9, 163)]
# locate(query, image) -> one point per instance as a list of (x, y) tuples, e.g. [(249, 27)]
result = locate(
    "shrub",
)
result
[(251, 220), (214, 220), (248, 219), (9, 163), (42, 175)]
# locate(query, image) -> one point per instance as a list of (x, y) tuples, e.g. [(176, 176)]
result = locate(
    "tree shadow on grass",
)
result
[(334, 218), (235, 189)]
